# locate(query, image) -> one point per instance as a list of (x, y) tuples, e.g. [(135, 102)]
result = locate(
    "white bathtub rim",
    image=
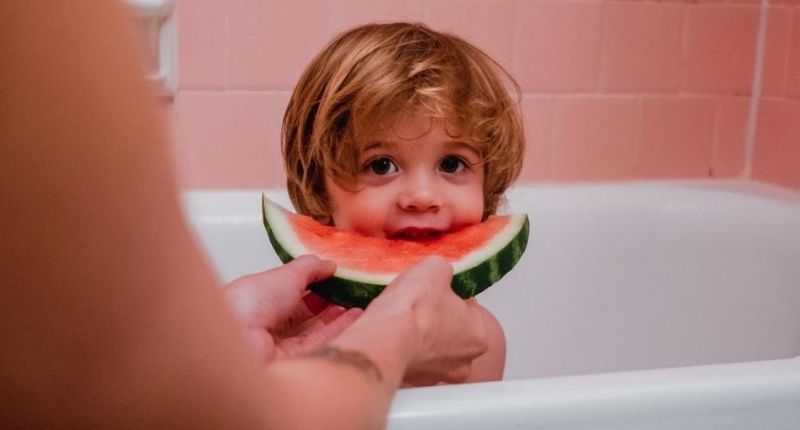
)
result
[(696, 392), (733, 185)]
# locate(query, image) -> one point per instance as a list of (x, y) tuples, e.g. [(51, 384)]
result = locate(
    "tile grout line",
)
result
[(752, 119)]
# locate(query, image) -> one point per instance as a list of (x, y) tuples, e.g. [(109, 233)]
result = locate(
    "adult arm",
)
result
[(111, 318)]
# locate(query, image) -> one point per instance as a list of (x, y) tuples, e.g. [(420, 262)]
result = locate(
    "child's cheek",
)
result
[(372, 221), (363, 218)]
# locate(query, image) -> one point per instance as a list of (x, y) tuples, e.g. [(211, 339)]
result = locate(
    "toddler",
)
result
[(399, 131)]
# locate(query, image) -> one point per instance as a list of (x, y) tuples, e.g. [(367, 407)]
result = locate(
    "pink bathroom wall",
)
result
[(612, 89), (777, 148)]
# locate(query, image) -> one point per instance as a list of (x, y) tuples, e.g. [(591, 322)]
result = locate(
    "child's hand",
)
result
[(281, 318)]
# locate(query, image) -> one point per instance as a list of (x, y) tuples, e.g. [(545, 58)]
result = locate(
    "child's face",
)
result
[(415, 182)]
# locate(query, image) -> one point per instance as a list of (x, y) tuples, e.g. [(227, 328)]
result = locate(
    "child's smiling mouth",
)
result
[(415, 234)]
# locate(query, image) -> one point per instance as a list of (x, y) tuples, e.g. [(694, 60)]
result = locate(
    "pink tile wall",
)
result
[(557, 45), (538, 116), (720, 48), (478, 21), (777, 146), (776, 54), (268, 47), (642, 47), (202, 44), (612, 89), (777, 156), (595, 137), (792, 74), (677, 137), (233, 139), (727, 157)]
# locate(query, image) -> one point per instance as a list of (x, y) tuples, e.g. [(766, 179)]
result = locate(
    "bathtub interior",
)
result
[(616, 276)]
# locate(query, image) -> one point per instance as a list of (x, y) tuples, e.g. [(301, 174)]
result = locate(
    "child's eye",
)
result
[(452, 165), (382, 166)]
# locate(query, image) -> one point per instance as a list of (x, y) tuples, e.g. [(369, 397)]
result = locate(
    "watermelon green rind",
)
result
[(342, 291), (472, 274), (474, 280), (347, 293)]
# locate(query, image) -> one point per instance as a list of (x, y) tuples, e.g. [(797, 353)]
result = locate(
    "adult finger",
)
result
[(428, 272), (269, 298), (307, 269), (295, 275), (432, 269), (301, 272), (309, 306), (330, 324), (304, 315)]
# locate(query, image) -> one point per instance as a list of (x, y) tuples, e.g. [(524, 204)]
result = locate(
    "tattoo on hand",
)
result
[(350, 358)]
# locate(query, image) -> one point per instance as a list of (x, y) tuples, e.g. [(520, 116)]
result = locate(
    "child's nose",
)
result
[(420, 194)]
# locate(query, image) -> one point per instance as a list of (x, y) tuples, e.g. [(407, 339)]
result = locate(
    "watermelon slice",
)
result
[(480, 254)]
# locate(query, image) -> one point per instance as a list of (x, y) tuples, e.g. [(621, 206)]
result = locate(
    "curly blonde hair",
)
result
[(372, 73)]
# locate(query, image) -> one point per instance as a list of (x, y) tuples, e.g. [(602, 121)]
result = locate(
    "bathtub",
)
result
[(643, 305)]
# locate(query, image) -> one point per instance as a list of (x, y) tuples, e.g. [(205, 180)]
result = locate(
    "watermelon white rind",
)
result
[(348, 287)]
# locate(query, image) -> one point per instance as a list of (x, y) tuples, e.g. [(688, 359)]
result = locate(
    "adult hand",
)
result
[(281, 317), (450, 331)]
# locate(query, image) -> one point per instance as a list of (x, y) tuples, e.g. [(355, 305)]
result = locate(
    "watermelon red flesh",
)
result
[(379, 255), (480, 254)]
